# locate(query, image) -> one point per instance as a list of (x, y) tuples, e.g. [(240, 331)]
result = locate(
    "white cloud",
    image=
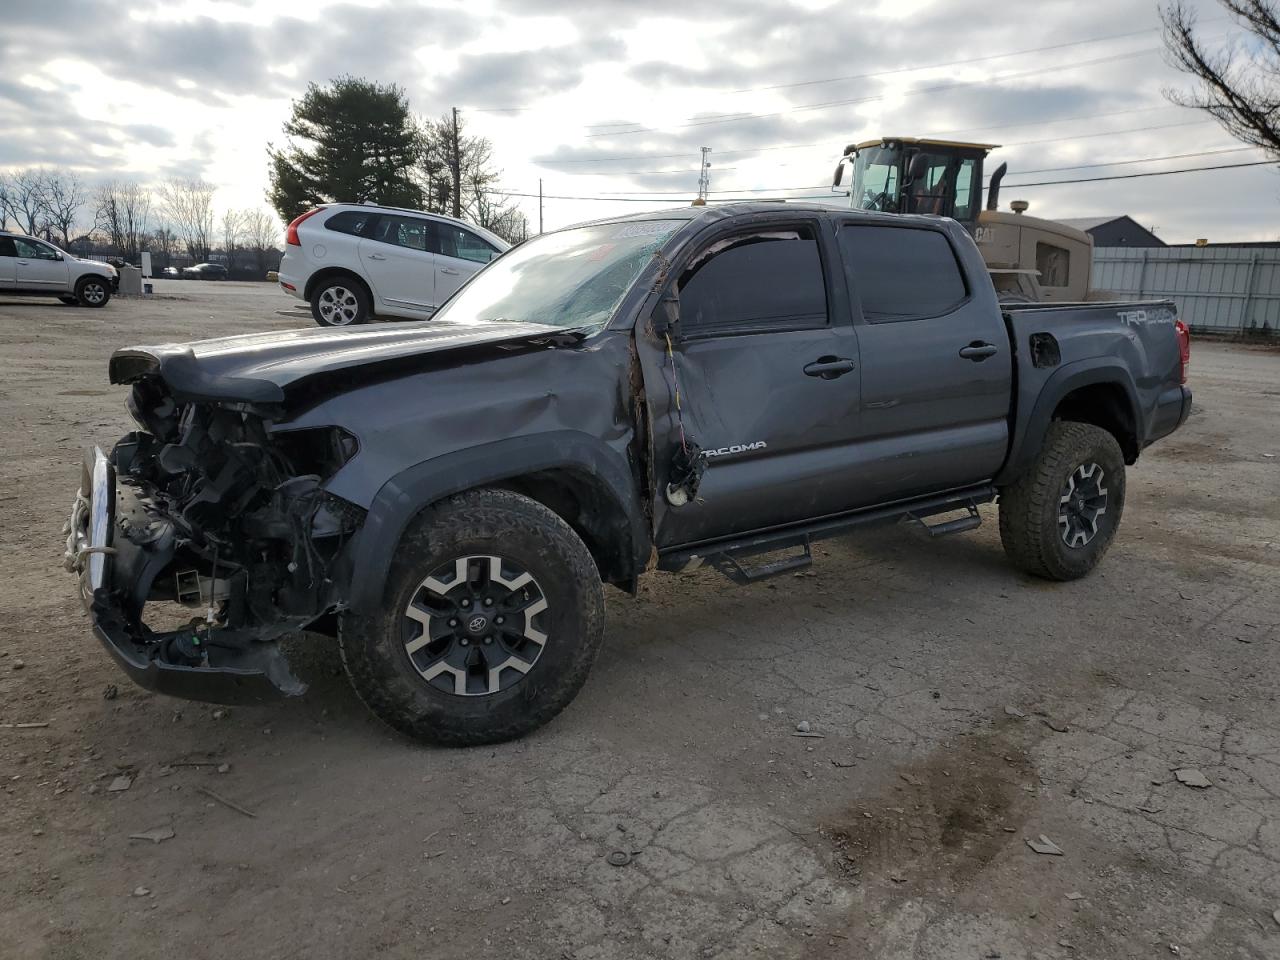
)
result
[(200, 88)]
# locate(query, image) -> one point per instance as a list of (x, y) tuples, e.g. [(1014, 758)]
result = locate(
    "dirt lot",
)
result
[(899, 833)]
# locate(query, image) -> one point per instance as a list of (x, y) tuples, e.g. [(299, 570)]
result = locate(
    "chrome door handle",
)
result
[(449, 271), (376, 256)]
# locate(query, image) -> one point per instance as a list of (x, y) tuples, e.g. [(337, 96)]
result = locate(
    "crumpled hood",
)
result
[(261, 367)]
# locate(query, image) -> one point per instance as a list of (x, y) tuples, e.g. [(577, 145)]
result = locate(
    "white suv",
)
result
[(351, 261), (31, 267)]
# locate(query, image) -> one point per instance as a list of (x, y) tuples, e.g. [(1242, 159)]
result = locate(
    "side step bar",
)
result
[(724, 555), (958, 525), (727, 564)]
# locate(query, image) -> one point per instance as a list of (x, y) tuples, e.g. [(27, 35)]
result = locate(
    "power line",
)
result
[(1121, 163), (949, 63), (1135, 176), (670, 197), (826, 143), (825, 105)]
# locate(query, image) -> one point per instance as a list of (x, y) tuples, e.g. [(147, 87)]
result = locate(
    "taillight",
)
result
[(291, 234), (1184, 348)]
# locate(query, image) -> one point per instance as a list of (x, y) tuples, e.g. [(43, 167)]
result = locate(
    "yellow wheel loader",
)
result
[(1029, 259)]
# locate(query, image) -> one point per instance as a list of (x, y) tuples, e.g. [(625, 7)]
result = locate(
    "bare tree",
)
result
[(162, 242), (24, 200), (261, 234), (122, 211), (507, 220), (232, 228), (1239, 85), (62, 195), (188, 204)]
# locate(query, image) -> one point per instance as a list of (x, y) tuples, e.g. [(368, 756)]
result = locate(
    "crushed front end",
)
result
[(206, 537)]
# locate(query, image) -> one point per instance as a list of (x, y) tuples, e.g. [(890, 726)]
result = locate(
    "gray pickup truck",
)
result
[(717, 386)]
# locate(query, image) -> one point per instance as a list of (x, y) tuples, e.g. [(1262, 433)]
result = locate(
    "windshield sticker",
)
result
[(643, 228)]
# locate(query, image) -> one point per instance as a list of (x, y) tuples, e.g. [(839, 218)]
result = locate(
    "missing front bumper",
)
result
[(113, 568)]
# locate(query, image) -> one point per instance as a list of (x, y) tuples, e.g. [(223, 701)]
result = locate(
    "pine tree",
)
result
[(358, 142)]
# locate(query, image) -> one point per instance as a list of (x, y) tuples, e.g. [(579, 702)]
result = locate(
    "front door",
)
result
[(459, 256), (39, 266), (397, 259), (937, 369), (766, 366)]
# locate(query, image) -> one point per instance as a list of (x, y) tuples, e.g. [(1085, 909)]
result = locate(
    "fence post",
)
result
[(1142, 276), (1249, 282)]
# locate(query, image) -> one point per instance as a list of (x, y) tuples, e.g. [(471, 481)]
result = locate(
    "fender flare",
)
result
[(1029, 432), (405, 495)]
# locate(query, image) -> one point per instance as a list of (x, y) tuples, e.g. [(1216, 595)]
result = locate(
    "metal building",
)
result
[(1228, 288)]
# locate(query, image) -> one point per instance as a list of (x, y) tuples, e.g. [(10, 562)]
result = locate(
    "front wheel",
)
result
[(1059, 518), (92, 292), (492, 616), (339, 303)]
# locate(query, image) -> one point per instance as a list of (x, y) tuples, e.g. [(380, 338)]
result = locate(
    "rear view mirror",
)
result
[(839, 174)]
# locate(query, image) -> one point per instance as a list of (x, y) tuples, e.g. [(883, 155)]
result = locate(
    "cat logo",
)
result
[(736, 448)]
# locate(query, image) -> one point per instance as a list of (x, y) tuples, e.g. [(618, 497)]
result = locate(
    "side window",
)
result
[(354, 222), (407, 232), (29, 250), (901, 273), (7, 248), (1054, 264), (463, 244), (770, 280)]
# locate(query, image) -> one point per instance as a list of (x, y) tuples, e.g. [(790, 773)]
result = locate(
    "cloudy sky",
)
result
[(613, 98)]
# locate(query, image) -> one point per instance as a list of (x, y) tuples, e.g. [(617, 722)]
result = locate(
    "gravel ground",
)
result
[(963, 709)]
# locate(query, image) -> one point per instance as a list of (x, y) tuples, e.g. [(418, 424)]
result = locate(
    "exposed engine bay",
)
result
[(219, 514)]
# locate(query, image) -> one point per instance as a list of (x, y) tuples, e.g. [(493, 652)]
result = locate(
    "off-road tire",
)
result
[(361, 309), (480, 522), (92, 292), (1029, 508)]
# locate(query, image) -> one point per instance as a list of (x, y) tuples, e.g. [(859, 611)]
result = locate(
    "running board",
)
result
[(958, 525), (727, 564), (724, 555)]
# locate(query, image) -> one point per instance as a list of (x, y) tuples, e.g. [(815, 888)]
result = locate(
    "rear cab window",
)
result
[(767, 279), (901, 273)]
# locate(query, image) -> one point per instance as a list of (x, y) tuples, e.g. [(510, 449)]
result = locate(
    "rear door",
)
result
[(39, 266), (396, 258), (8, 263), (459, 255), (936, 362), (766, 366)]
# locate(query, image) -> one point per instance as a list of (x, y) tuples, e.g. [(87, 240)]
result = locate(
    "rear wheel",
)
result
[(492, 616), (339, 302), (1060, 517), (92, 292)]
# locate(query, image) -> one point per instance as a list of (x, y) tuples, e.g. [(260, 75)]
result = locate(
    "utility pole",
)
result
[(704, 175), (539, 206), (457, 168)]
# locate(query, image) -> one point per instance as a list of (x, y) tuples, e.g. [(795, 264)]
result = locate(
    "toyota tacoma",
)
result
[(714, 386)]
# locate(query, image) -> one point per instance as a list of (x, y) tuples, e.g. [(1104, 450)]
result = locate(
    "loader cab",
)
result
[(1028, 258), (907, 175)]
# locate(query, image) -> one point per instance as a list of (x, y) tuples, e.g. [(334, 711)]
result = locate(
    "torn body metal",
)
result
[(269, 469)]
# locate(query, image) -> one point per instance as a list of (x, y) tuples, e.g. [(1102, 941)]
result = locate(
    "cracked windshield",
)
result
[(574, 278)]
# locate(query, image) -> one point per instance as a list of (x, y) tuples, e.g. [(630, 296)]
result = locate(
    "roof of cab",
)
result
[(926, 141)]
